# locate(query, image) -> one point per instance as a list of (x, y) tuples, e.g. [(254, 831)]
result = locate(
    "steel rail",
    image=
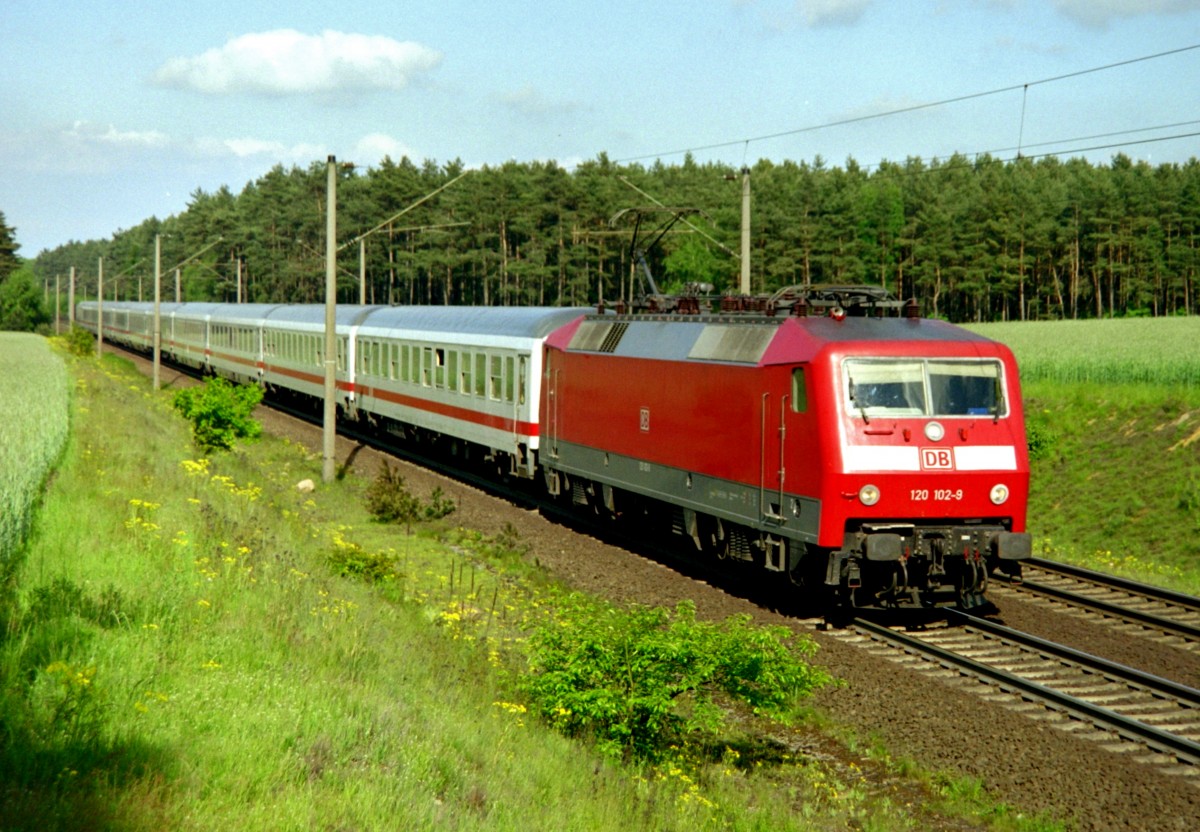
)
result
[(1153, 593), (1181, 748), (1168, 596)]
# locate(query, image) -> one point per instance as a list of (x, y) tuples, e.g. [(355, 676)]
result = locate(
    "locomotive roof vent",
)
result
[(598, 336), (744, 344)]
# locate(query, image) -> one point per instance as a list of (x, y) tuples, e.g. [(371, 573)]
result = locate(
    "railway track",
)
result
[(1133, 608), (1152, 720)]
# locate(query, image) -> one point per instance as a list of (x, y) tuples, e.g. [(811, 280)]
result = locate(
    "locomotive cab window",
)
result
[(799, 391), (899, 387)]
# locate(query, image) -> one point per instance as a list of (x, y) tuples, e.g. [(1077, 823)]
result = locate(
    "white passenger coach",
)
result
[(469, 374)]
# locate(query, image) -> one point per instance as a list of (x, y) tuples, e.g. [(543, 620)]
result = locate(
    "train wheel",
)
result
[(806, 568)]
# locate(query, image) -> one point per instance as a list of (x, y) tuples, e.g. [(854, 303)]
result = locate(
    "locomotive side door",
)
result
[(550, 411), (772, 442)]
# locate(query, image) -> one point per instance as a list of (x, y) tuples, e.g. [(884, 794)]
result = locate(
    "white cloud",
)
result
[(89, 133), (102, 147), (817, 13), (529, 101), (374, 146), (1099, 13), (287, 62), (244, 148)]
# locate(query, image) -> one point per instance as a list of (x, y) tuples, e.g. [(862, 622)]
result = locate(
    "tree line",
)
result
[(973, 239)]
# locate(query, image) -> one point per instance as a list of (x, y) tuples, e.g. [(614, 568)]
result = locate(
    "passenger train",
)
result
[(827, 436)]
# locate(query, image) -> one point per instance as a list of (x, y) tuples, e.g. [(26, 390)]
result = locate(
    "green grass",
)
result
[(1117, 486), (33, 427), (184, 654), (1113, 414), (1160, 351)]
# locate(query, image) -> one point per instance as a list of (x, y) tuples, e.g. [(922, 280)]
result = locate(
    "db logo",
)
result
[(644, 420), (937, 459)]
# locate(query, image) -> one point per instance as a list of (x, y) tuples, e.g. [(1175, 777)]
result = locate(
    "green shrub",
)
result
[(390, 501), (439, 505), (352, 561), (1039, 437), (642, 681), (80, 342), (220, 413), (63, 598)]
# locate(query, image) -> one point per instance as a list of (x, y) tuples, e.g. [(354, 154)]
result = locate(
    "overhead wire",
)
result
[(912, 108), (1021, 154)]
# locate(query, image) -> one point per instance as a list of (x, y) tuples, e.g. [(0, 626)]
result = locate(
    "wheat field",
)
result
[(1109, 351), (34, 398)]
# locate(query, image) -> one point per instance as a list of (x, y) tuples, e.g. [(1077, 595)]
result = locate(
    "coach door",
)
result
[(517, 381)]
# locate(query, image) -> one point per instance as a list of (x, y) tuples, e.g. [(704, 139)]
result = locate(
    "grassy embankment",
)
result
[(192, 645), (1113, 414)]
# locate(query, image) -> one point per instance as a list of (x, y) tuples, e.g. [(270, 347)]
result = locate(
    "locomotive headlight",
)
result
[(999, 493), (868, 495), (934, 431)]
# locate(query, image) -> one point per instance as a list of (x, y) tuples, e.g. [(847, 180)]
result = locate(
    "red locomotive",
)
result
[(882, 459)]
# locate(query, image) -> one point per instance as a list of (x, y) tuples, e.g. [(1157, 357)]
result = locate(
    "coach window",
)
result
[(799, 391), (439, 367), (452, 371), (465, 386), (496, 378), (427, 366), (480, 375), (509, 378)]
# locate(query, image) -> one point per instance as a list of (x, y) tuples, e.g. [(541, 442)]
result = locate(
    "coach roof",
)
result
[(313, 314), (500, 321)]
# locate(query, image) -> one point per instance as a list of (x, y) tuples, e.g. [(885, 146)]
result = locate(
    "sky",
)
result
[(114, 111)]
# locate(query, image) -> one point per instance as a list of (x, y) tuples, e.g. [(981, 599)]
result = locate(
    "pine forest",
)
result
[(979, 239)]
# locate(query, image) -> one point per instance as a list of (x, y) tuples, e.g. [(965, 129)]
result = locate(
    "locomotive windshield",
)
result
[(924, 387)]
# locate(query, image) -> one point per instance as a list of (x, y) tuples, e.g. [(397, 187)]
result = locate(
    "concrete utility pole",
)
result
[(57, 302), (100, 308), (329, 422), (745, 287), (177, 279), (71, 301), (157, 300), (362, 271)]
